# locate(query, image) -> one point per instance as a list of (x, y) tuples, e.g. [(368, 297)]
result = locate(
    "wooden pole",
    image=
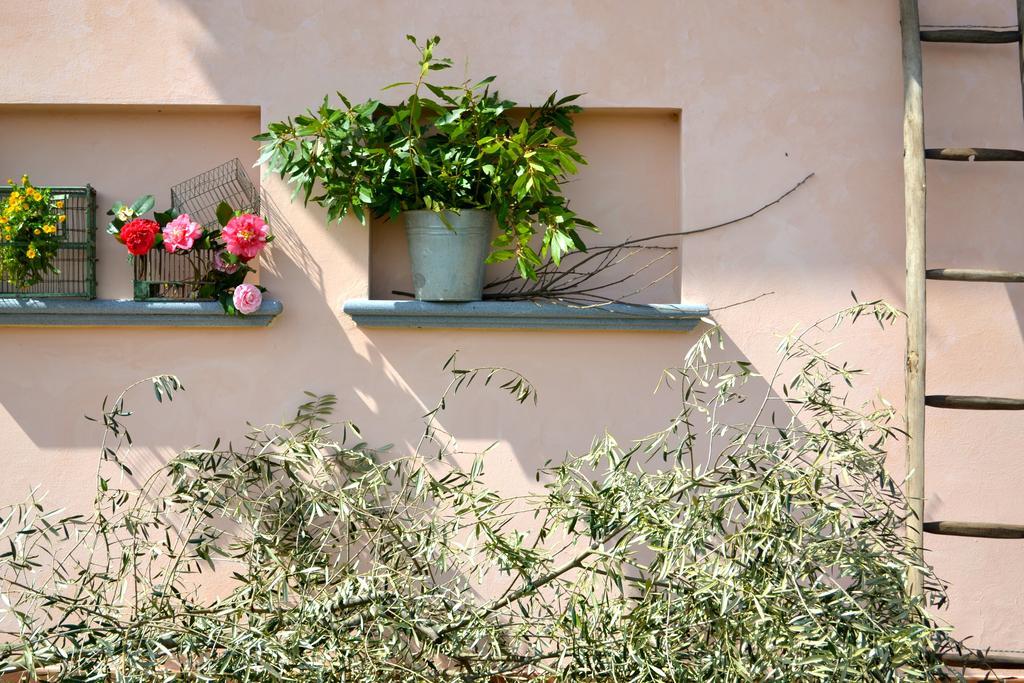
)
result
[(974, 154), (974, 402), (975, 275), (975, 529), (983, 660), (914, 206), (1020, 53), (976, 36)]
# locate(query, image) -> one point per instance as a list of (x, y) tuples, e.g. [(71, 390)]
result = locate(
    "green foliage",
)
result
[(768, 549), (224, 213), (124, 213), (31, 232), (442, 148)]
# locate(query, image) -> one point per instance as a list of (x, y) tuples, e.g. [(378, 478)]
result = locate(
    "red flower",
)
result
[(139, 236)]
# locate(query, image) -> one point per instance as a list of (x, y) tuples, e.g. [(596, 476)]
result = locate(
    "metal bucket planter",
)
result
[(448, 260)]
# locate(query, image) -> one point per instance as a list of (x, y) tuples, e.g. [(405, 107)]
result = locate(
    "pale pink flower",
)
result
[(223, 265), (245, 236), (181, 233), (247, 299)]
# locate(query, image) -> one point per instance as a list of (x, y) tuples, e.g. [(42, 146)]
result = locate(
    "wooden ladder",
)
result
[(914, 155)]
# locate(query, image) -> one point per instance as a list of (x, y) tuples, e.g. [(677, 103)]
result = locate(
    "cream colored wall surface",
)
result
[(768, 92)]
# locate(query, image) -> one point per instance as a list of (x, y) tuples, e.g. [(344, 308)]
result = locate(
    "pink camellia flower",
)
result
[(181, 233), (245, 236), (247, 299), (223, 265)]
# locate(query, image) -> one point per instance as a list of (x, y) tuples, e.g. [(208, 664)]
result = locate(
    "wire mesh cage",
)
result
[(160, 275), (76, 257), (200, 196), (177, 277)]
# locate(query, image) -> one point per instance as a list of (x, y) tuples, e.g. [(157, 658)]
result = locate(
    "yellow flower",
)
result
[(31, 253), (62, 218), (24, 179), (49, 229), (37, 231), (15, 196), (60, 203)]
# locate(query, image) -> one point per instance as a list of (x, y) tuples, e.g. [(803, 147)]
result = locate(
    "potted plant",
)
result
[(31, 233), (456, 161), (218, 258)]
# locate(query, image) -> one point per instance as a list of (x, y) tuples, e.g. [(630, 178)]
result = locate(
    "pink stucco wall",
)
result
[(767, 92)]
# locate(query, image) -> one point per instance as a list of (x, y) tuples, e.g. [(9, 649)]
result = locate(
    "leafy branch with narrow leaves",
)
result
[(763, 547)]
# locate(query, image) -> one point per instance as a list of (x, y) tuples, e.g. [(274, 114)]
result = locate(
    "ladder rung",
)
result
[(974, 402), (974, 275), (975, 529), (970, 35), (974, 154), (982, 660)]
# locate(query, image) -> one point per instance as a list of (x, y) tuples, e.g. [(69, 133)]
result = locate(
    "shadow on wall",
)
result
[(630, 403), (392, 373), (627, 400), (386, 379), (289, 245), (65, 372)]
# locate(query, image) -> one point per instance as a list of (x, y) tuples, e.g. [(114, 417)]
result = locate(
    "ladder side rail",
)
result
[(914, 206), (1020, 49)]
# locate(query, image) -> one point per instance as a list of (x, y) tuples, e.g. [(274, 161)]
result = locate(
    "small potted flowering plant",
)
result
[(218, 256), (29, 233)]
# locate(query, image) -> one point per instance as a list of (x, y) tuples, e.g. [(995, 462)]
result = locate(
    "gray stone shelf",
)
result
[(524, 315), (128, 313)]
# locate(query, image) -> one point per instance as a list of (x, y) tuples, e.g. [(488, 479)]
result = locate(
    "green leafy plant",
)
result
[(442, 148), (31, 232), (768, 549)]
